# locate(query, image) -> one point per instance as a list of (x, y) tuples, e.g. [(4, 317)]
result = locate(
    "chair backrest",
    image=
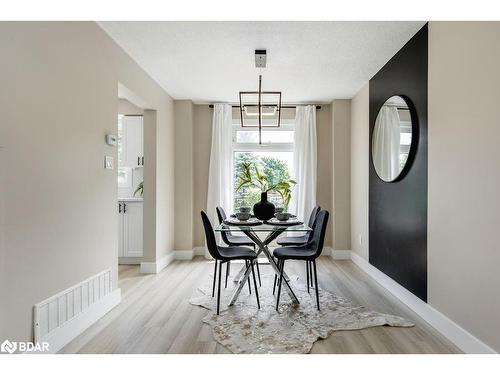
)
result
[(319, 231), (221, 214), (210, 235), (312, 217)]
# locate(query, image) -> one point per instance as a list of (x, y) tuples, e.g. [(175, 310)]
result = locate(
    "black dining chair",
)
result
[(301, 241), (308, 253), (232, 240), (225, 254)]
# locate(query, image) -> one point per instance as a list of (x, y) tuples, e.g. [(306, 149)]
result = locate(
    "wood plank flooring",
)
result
[(156, 317)]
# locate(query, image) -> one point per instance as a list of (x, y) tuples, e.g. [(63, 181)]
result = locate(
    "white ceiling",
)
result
[(313, 62)]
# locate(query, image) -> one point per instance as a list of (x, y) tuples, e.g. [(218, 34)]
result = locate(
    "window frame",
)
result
[(255, 147)]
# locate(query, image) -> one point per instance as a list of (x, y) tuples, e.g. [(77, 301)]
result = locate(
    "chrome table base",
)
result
[(244, 273)]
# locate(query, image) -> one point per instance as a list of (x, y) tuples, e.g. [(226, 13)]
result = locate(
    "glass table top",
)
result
[(262, 228)]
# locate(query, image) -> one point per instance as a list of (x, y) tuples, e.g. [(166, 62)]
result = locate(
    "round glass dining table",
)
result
[(269, 233)]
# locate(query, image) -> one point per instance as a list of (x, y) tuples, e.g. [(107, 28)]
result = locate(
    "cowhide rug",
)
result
[(243, 328)]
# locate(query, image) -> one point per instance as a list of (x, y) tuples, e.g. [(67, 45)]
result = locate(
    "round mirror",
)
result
[(391, 139)]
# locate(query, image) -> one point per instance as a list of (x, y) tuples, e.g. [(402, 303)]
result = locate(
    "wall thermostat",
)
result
[(111, 139)]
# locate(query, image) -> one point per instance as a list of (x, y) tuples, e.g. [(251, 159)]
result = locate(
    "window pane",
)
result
[(247, 136), (405, 139), (124, 177), (277, 166), (268, 136)]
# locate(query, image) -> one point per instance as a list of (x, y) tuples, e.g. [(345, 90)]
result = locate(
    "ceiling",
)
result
[(310, 62)]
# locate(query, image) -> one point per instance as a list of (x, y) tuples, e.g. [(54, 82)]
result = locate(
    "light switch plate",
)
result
[(109, 162)]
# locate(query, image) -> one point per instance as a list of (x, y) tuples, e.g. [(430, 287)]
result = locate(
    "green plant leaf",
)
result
[(140, 189)]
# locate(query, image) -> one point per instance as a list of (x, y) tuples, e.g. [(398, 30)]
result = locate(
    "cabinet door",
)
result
[(132, 147), (120, 230), (132, 226)]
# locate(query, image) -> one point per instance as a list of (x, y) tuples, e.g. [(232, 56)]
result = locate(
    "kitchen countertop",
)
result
[(131, 199)]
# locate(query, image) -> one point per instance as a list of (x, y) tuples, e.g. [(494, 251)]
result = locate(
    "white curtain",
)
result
[(386, 143), (220, 173), (305, 162)]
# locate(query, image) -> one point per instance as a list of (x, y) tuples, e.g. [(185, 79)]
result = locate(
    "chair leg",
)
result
[(276, 278), (307, 271), (311, 274), (255, 286), (279, 284), (258, 272), (228, 270), (257, 263), (249, 286), (316, 283), (276, 275), (215, 276), (218, 292)]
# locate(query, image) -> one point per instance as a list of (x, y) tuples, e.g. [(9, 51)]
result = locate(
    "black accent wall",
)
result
[(398, 210)]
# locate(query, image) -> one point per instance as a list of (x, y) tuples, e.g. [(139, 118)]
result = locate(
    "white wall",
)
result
[(359, 171), (127, 108), (184, 180), (3, 249), (58, 99), (464, 175), (202, 139), (324, 196), (341, 174)]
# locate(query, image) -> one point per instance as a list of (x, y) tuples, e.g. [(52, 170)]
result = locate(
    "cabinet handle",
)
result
[(138, 160), (119, 208), (124, 207), (143, 161)]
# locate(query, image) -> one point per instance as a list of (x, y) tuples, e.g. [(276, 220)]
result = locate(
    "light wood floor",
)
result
[(156, 317)]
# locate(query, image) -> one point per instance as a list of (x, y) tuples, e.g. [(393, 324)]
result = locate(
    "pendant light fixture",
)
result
[(260, 108)]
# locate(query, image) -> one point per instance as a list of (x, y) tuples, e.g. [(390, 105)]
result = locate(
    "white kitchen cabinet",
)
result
[(132, 141), (130, 231), (120, 229)]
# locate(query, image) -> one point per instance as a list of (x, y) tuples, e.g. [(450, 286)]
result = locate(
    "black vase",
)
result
[(263, 210)]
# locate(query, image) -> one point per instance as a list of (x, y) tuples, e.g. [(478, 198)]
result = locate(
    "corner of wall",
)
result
[(184, 174), (341, 180), (359, 151)]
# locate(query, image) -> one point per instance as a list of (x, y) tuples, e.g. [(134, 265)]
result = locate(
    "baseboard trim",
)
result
[(184, 254), (199, 251), (131, 260), (341, 254), (156, 267), (62, 335), (467, 342)]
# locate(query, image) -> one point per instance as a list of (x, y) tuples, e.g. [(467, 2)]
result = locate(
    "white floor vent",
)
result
[(62, 317)]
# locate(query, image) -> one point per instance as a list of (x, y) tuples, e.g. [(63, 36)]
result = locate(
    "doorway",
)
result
[(130, 182)]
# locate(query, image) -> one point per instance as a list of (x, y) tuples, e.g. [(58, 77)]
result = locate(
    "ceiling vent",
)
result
[(260, 58)]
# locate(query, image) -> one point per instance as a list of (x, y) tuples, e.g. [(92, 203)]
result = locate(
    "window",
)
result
[(274, 156), (405, 134)]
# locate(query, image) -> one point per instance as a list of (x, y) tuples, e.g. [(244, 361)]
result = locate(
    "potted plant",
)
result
[(252, 176), (140, 189)]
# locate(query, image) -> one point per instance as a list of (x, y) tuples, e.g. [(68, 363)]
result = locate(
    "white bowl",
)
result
[(243, 216)]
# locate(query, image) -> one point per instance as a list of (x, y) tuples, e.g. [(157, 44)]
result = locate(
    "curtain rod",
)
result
[(283, 106)]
